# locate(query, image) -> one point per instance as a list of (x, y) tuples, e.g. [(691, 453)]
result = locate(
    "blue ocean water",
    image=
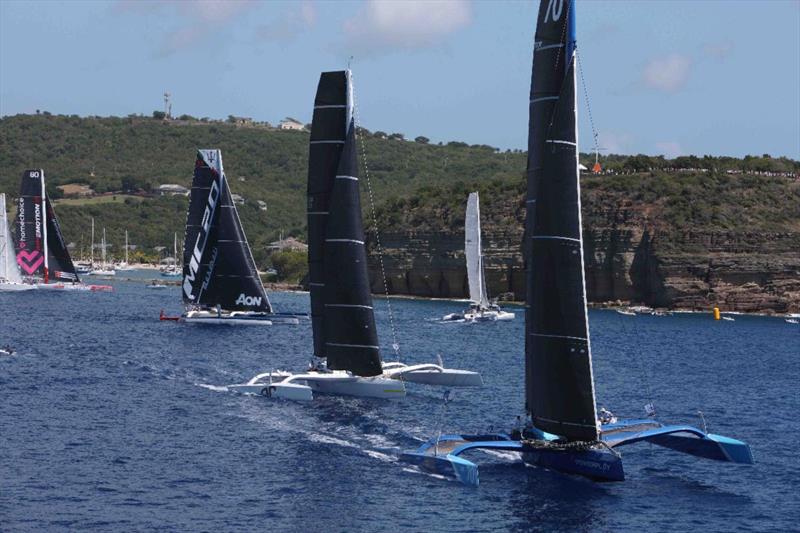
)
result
[(110, 419)]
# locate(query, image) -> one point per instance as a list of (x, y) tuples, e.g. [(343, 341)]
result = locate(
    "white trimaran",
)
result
[(480, 309), (10, 278), (347, 357)]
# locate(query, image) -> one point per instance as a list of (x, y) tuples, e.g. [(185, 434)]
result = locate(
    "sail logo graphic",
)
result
[(30, 261), (554, 10), (250, 301), (202, 239)]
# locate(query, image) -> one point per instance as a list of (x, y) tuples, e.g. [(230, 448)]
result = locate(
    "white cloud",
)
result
[(388, 24), (200, 18), (289, 25), (670, 149), (668, 73)]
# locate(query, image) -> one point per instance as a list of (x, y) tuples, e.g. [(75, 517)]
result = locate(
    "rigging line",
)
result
[(362, 144), (586, 97)]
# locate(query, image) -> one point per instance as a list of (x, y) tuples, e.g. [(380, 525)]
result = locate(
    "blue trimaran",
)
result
[(562, 430)]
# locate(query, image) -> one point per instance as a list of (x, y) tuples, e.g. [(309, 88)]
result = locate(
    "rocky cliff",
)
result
[(640, 245)]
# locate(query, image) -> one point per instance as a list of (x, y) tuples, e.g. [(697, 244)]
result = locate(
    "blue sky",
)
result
[(666, 77)]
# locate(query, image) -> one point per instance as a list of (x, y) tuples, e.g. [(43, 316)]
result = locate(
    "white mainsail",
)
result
[(472, 249), (9, 271)]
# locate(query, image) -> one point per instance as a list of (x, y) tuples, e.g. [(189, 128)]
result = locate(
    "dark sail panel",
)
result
[(31, 224), (325, 147), (351, 340), (218, 266), (60, 266), (559, 384)]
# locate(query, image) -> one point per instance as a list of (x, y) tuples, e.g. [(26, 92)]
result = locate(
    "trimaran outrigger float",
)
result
[(42, 254), (562, 430), (347, 358), (221, 284)]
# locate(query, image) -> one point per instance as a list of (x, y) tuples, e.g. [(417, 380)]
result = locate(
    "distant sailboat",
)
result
[(173, 270), (221, 284), (562, 428), (104, 269), (481, 309), (10, 277), (124, 266), (42, 254)]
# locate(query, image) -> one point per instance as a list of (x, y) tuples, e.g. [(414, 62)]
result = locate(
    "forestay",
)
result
[(218, 265), (473, 251), (342, 317), (559, 383)]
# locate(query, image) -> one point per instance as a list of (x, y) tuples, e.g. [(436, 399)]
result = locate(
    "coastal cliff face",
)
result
[(633, 252)]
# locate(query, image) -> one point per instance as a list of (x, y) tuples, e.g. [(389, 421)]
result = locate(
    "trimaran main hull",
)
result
[(599, 461)]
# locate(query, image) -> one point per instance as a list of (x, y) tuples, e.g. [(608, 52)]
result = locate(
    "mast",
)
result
[(91, 255), (103, 253), (342, 318), (44, 228), (559, 386), (126, 248)]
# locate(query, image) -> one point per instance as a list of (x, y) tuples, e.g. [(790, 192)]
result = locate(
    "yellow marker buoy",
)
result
[(716, 313)]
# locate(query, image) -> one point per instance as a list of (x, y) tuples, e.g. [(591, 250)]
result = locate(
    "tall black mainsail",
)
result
[(41, 251), (218, 265), (342, 317), (559, 384)]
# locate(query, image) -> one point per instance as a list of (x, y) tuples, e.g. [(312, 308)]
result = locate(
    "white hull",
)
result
[(102, 273), (238, 318), (225, 321), (275, 385), (479, 316), (72, 287), (6, 286), (431, 374), (343, 383)]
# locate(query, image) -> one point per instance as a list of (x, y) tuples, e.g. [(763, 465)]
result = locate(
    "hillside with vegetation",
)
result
[(638, 206), (133, 155)]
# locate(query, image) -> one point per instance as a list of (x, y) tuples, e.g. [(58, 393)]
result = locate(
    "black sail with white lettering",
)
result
[(60, 266), (559, 383), (341, 304), (218, 265), (31, 247)]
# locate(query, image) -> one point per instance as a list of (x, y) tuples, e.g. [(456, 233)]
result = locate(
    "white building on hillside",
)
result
[(290, 123)]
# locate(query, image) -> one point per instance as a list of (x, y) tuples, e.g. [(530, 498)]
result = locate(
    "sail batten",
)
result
[(342, 316), (218, 265), (559, 381)]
